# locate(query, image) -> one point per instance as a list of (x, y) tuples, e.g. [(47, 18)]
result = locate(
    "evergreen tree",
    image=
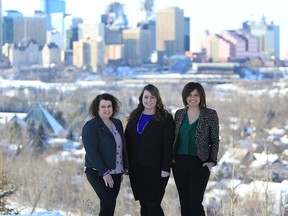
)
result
[(15, 132), (38, 143), (4, 194)]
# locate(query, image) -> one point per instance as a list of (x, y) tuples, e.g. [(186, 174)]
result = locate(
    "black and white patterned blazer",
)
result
[(207, 134)]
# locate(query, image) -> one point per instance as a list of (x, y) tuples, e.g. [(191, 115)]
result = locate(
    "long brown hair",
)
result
[(160, 112)]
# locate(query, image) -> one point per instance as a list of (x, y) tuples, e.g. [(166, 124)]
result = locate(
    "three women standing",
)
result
[(149, 136), (153, 141)]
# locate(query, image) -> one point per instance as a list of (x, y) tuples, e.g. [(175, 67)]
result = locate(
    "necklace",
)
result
[(142, 122)]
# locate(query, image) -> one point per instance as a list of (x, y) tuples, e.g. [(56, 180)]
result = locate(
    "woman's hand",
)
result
[(210, 165), (108, 180)]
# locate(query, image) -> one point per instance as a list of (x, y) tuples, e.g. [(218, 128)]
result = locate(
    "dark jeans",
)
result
[(191, 179), (106, 195)]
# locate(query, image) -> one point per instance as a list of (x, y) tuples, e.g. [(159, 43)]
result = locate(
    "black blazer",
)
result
[(207, 134), (100, 145), (153, 148)]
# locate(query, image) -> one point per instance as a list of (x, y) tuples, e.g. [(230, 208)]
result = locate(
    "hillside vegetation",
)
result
[(63, 186)]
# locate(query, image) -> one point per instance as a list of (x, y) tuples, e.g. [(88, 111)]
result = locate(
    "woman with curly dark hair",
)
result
[(149, 135), (106, 157)]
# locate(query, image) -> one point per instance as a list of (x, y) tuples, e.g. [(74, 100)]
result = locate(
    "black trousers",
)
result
[(148, 187), (106, 195), (191, 179)]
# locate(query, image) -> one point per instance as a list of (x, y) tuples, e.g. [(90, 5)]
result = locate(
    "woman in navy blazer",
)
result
[(195, 148), (106, 156), (149, 135)]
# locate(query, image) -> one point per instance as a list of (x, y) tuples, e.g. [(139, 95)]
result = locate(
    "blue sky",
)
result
[(212, 15)]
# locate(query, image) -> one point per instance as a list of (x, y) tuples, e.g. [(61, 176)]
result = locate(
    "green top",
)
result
[(187, 135)]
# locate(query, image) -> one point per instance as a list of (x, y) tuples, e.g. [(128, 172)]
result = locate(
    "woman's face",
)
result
[(149, 101), (105, 109), (193, 99)]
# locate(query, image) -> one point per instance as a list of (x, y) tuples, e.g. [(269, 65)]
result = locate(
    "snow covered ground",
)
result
[(43, 214)]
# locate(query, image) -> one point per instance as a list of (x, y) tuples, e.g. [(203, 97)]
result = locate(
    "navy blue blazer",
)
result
[(100, 145)]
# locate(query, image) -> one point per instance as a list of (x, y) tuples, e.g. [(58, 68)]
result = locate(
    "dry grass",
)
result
[(64, 186)]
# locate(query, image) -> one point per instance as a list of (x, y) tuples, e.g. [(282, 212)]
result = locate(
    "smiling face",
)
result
[(193, 99), (105, 109), (149, 101)]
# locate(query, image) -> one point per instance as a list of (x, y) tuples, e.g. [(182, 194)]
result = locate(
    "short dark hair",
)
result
[(191, 86), (94, 107)]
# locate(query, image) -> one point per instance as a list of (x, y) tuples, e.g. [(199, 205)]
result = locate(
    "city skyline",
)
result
[(202, 18)]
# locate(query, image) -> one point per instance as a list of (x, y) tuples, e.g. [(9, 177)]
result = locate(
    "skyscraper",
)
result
[(30, 27), (137, 46), (187, 34), (53, 6), (71, 30), (8, 25), (92, 31), (170, 26), (89, 54)]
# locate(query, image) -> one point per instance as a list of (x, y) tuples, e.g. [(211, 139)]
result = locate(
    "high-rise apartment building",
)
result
[(242, 44), (89, 51), (91, 31), (113, 36), (56, 38), (217, 49), (187, 34), (137, 46), (8, 25), (89, 54), (114, 48), (55, 11), (268, 36), (170, 31), (30, 27), (51, 55), (233, 44), (53, 6), (114, 54), (71, 31), (151, 26), (57, 22)]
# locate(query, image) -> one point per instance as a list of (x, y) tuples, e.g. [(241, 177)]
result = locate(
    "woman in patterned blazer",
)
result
[(195, 148)]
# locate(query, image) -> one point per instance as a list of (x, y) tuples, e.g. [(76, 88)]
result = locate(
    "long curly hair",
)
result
[(160, 112)]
